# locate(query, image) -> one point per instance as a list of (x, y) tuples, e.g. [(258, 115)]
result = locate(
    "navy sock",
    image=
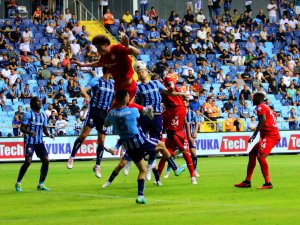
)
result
[(172, 163), (44, 171), (141, 186), (100, 150), (156, 174), (22, 171), (76, 146), (112, 176), (195, 161)]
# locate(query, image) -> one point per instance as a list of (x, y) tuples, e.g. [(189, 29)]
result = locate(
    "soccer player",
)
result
[(117, 59), (191, 127), (173, 122), (102, 96), (148, 94), (124, 121), (269, 137), (33, 125)]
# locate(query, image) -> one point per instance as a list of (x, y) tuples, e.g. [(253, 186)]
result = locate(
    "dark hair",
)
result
[(104, 70), (33, 102), (120, 95), (101, 40)]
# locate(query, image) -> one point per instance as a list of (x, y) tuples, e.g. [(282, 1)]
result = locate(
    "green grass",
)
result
[(78, 198)]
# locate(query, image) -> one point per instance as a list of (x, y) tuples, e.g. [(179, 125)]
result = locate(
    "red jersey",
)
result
[(172, 101), (119, 64), (270, 127)]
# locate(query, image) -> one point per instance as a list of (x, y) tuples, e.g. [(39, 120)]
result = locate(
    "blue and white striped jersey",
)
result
[(102, 93), (35, 123), (191, 119), (149, 94)]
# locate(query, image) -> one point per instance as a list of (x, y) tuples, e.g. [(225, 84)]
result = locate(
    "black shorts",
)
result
[(96, 118), (39, 149)]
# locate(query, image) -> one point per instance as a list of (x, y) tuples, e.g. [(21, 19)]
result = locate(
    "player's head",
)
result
[(169, 82), (122, 96), (258, 97), (36, 103), (141, 69), (102, 43)]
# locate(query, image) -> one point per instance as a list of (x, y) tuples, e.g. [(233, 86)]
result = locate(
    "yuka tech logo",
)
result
[(234, 144), (11, 150), (294, 143)]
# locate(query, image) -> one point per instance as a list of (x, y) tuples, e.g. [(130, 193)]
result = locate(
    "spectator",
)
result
[(74, 108), (27, 34), (213, 111), (240, 83), (42, 94), (127, 17), (16, 124), (60, 126), (293, 119), (221, 95), (245, 94), (83, 113), (194, 104), (245, 112), (108, 20), (143, 6), (154, 36), (273, 88), (2, 99), (26, 93), (252, 124), (6, 29), (78, 126), (228, 106), (272, 8), (232, 124), (14, 93)]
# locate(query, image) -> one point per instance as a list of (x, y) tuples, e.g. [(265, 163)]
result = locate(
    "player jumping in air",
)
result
[(124, 121), (269, 137), (173, 122), (117, 59), (34, 125), (102, 97)]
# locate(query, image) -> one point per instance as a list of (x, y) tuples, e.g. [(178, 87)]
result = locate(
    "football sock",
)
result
[(195, 161), (189, 163), (22, 171), (100, 150), (264, 168), (137, 106), (76, 146), (156, 174), (141, 185), (112, 176), (172, 163), (168, 169), (161, 165), (251, 166), (44, 171)]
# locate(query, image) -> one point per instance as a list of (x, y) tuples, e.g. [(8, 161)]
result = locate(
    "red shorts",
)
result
[(173, 119), (172, 146), (266, 144), (130, 88)]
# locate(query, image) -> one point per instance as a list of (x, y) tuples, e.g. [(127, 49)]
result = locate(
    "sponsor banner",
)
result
[(12, 149)]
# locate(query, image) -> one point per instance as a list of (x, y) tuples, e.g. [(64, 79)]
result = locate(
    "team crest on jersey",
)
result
[(258, 108)]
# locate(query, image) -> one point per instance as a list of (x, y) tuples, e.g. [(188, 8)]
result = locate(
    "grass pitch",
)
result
[(76, 195)]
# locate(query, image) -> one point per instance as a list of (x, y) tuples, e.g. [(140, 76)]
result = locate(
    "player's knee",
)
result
[(28, 161)]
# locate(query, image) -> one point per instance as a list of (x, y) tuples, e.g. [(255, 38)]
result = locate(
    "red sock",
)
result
[(161, 166), (137, 106), (251, 166), (189, 162), (264, 168)]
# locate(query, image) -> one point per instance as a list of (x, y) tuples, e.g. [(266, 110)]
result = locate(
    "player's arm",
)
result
[(85, 94), (92, 64), (132, 50), (24, 130), (46, 132), (261, 122)]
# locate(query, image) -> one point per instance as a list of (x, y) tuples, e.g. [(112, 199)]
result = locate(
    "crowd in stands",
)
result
[(218, 61)]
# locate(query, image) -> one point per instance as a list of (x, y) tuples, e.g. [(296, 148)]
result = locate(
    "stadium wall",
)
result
[(207, 144)]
